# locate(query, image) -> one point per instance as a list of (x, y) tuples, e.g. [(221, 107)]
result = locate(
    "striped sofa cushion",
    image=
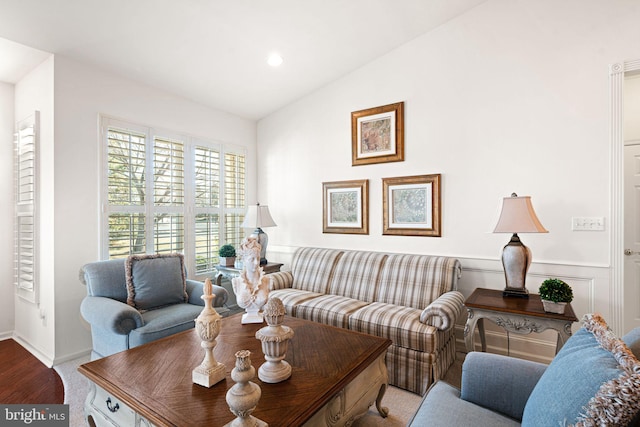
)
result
[(331, 310), (400, 324), (312, 268), (356, 275), (416, 280), (292, 297), (280, 280)]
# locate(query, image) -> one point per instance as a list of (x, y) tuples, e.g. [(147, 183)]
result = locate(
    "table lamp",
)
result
[(257, 217), (517, 216)]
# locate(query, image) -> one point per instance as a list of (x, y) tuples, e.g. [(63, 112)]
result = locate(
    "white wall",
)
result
[(509, 97), (82, 93), (7, 289), (632, 108), (34, 323)]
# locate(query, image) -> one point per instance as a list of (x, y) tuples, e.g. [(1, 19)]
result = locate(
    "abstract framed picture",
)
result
[(345, 207), (377, 135), (411, 206)]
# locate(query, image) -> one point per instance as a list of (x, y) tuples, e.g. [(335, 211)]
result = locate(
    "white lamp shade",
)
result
[(517, 216), (258, 216)]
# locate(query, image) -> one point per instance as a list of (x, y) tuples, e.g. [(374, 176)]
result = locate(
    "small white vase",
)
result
[(554, 307)]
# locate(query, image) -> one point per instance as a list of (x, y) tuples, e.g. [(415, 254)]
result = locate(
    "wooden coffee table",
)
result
[(337, 375)]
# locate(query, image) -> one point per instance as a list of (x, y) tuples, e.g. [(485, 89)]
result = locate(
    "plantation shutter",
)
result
[(234, 196), (26, 219), (207, 205), (168, 192), (165, 192), (126, 163)]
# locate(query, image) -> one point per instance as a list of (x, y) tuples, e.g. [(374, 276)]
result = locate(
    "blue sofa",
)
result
[(141, 299), (593, 380)]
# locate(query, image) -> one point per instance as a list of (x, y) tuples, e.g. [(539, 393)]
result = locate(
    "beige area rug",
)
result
[(402, 404), (76, 388)]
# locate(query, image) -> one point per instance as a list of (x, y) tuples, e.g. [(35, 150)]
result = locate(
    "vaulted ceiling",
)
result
[(214, 52)]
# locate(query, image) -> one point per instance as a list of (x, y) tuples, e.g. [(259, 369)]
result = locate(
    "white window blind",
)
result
[(207, 207), (185, 213), (234, 196), (126, 162), (26, 219)]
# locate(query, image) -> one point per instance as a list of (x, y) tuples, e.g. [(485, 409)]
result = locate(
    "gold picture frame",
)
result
[(411, 206), (345, 207), (377, 135)]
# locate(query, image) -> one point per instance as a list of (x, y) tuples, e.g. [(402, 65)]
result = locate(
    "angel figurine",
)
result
[(252, 286)]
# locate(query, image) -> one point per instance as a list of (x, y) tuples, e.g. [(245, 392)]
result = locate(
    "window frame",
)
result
[(189, 210)]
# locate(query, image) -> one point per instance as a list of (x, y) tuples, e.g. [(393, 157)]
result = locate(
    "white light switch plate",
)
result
[(587, 223)]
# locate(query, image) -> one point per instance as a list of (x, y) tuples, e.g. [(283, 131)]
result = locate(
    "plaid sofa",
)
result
[(410, 299)]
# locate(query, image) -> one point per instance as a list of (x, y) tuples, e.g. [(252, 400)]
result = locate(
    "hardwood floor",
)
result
[(24, 379)]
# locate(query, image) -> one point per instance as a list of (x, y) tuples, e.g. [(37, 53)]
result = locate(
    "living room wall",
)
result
[(6, 208), (35, 323), (512, 96), (82, 94)]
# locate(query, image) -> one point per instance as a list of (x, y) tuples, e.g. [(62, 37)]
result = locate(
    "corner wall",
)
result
[(7, 289), (35, 325), (82, 94)]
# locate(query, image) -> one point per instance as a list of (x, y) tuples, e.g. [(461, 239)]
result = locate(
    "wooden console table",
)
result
[(514, 314), (336, 375)]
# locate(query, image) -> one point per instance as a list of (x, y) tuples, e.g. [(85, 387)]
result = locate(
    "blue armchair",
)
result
[(594, 379), (128, 306)]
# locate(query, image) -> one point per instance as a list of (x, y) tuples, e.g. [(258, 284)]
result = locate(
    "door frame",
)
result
[(616, 137)]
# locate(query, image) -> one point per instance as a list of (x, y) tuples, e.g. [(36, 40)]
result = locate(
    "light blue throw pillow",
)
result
[(155, 281), (593, 379), (632, 340)]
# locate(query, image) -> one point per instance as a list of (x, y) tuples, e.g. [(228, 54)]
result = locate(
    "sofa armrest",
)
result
[(195, 290), (111, 315), (500, 383), (281, 280), (443, 312)]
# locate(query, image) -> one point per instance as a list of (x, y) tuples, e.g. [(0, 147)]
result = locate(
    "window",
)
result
[(179, 209), (26, 219)]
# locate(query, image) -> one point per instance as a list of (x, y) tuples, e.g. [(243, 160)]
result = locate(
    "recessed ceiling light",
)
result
[(274, 60)]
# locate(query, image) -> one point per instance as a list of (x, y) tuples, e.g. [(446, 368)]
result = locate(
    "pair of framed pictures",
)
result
[(410, 206)]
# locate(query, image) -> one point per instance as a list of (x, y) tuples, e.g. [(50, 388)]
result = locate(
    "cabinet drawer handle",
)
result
[(111, 407)]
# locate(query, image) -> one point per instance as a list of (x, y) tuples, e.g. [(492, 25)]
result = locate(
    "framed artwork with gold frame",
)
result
[(377, 135), (345, 206), (411, 206)]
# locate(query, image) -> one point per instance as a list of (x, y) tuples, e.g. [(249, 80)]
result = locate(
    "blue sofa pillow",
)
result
[(155, 281), (632, 340), (593, 380)]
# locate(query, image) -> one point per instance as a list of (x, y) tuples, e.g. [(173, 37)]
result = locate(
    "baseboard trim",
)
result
[(72, 356), (46, 360)]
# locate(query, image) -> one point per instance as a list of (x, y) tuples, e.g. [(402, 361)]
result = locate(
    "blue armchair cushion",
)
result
[(155, 281), (593, 380)]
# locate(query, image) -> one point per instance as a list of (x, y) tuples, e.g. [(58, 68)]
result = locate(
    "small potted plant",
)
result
[(555, 294), (227, 255)]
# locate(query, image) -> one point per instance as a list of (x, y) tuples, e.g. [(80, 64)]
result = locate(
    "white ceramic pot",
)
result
[(554, 307)]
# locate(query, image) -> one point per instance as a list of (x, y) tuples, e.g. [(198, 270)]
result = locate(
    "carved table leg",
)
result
[(469, 328), (219, 277), (382, 410), (563, 335), (483, 340)]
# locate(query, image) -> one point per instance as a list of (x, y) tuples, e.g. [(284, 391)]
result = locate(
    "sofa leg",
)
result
[(383, 411)]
